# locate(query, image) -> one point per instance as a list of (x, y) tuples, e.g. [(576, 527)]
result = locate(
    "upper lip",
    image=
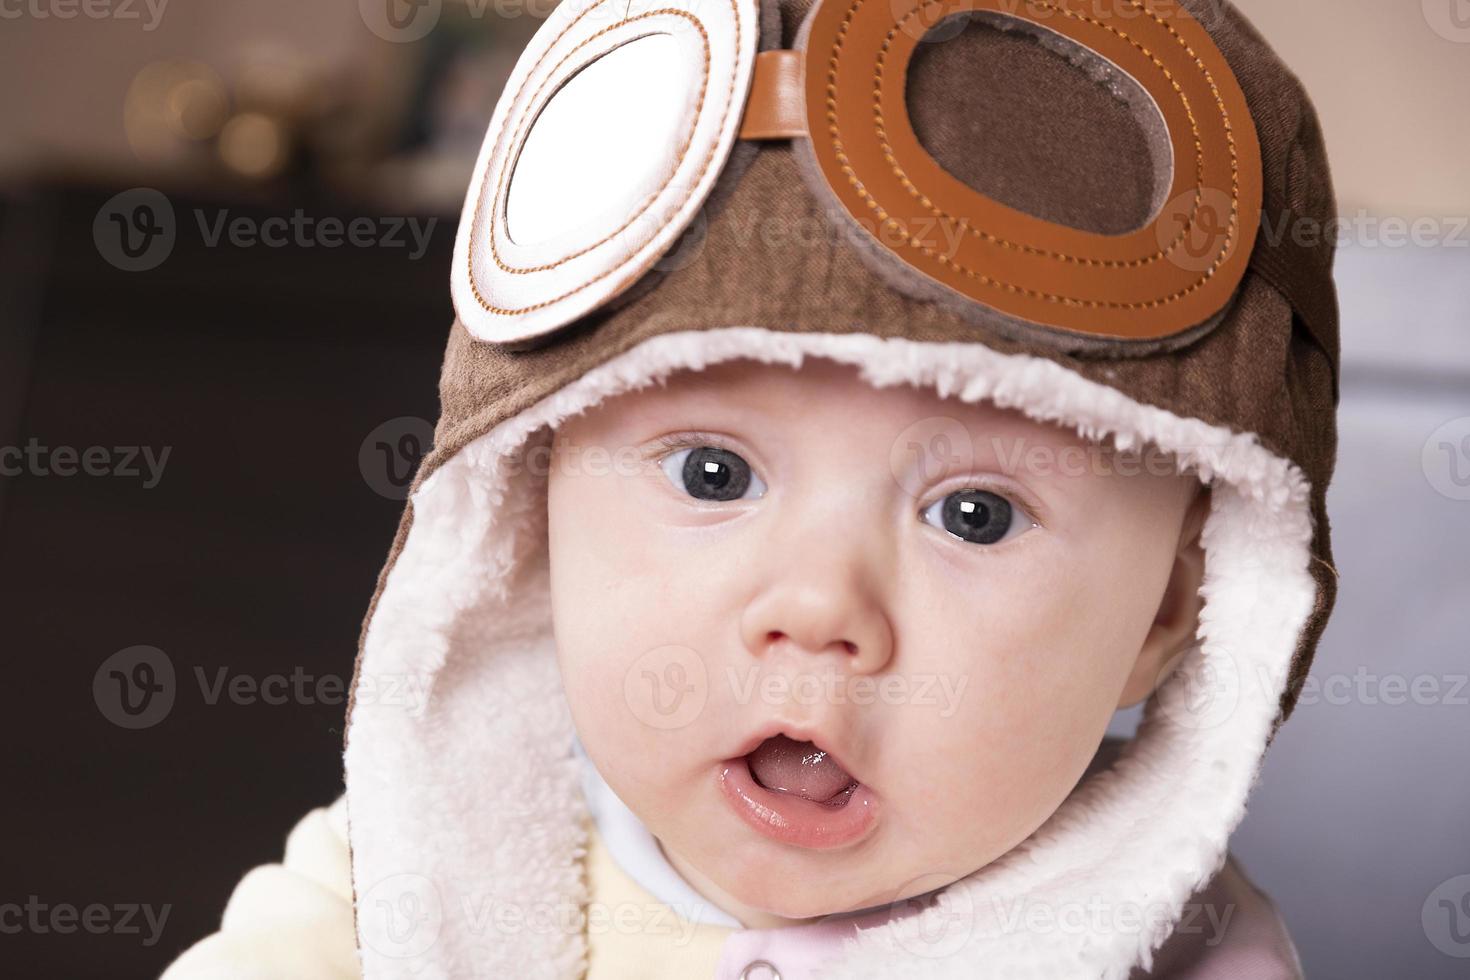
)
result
[(798, 733)]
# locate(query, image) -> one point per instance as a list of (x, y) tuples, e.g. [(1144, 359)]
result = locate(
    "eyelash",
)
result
[(1017, 497), (675, 441), (667, 445)]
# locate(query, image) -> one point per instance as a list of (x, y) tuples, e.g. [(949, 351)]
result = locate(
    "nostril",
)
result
[(772, 636)]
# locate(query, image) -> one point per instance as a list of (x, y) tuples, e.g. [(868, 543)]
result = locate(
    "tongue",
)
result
[(800, 768)]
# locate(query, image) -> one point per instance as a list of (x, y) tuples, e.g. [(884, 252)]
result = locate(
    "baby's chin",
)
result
[(893, 864), (800, 885), (816, 898), (799, 900)]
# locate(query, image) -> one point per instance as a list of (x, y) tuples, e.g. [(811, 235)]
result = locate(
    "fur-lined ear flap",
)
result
[(462, 613), (1176, 623)]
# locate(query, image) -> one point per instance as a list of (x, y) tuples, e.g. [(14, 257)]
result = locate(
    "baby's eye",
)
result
[(711, 473), (978, 516)]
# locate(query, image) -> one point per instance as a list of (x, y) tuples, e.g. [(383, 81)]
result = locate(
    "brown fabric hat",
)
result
[(1247, 401), (1014, 118)]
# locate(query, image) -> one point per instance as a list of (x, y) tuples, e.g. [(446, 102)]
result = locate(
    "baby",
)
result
[(898, 660), (850, 407)]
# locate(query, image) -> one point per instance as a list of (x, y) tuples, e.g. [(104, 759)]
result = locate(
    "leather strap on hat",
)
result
[(1299, 274), (776, 108)]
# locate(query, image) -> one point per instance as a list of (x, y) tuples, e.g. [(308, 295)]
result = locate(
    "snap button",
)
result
[(751, 971)]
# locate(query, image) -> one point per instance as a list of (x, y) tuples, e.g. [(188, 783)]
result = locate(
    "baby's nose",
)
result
[(831, 617)]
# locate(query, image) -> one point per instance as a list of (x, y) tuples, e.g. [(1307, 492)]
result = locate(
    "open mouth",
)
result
[(783, 765), (795, 792)]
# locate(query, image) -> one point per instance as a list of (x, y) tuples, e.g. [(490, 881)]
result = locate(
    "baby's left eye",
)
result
[(712, 473), (978, 516)]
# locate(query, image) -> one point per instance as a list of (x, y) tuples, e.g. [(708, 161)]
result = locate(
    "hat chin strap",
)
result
[(467, 807)]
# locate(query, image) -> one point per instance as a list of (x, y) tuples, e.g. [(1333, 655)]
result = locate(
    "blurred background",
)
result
[(225, 231)]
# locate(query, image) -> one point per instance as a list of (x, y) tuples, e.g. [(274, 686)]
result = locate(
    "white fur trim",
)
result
[(471, 802)]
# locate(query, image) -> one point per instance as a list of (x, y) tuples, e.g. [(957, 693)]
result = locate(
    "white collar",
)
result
[(637, 851)]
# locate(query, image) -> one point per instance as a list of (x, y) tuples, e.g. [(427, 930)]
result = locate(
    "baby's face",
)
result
[(836, 645)]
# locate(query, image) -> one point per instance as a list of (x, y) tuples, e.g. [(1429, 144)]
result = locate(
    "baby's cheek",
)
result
[(591, 653), (1037, 684)]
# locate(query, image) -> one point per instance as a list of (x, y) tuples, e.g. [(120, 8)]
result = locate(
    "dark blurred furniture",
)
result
[(262, 370)]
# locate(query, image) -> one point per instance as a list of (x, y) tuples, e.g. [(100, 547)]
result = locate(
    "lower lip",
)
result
[(790, 819)]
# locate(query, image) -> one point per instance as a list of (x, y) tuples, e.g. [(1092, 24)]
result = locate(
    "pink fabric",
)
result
[(1230, 930), (796, 952)]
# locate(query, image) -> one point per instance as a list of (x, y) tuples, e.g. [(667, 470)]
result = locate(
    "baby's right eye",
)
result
[(978, 516), (712, 473)]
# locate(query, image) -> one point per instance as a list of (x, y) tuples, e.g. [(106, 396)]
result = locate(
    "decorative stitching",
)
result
[(704, 167), (873, 205), (1199, 158), (526, 118)]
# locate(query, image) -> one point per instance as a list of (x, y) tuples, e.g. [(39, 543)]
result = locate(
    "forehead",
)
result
[(826, 408), (820, 391)]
